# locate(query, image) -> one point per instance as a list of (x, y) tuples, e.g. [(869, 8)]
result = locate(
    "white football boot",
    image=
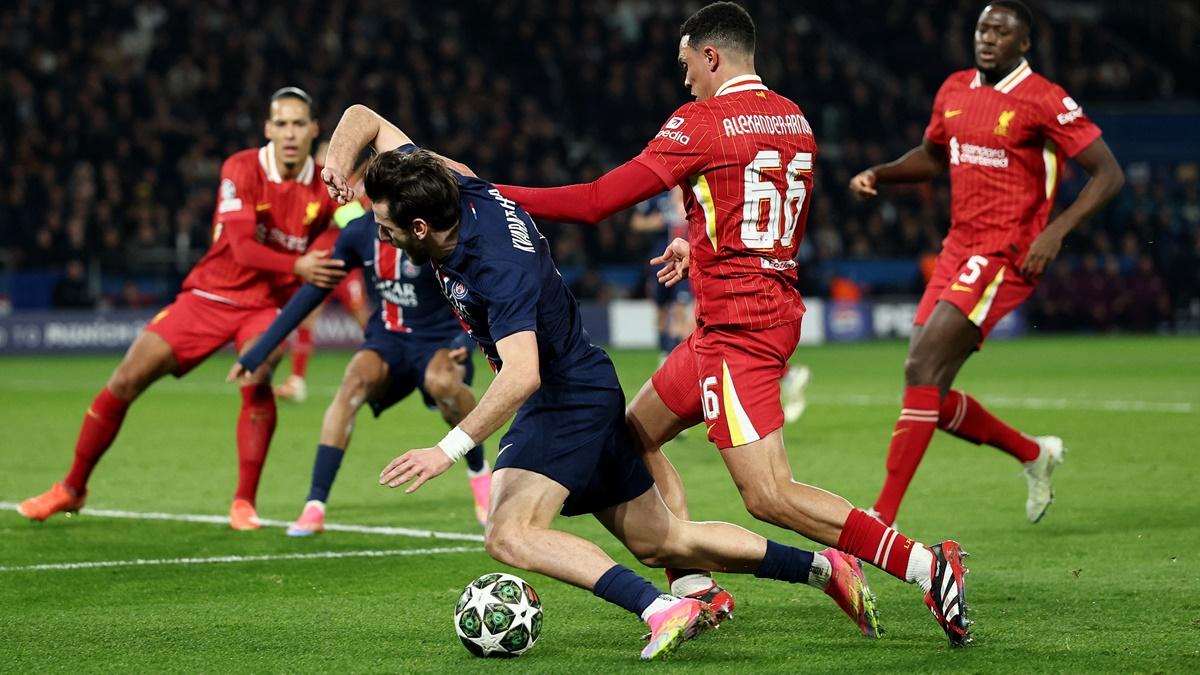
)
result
[(1037, 474), (795, 385)]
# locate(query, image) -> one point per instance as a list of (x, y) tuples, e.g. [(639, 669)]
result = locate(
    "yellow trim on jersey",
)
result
[(704, 198), (741, 430), (980, 312), (1050, 157)]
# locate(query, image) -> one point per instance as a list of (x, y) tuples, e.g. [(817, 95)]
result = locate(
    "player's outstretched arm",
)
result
[(918, 165), (302, 304), (1105, 180), (515, 383), (359, 127), (589, 203)]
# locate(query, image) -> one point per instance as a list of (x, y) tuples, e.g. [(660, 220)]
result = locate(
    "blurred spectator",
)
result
[(115, 116), (72, 290)]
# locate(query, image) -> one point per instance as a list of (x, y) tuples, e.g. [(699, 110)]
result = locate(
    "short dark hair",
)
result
[(1019, 9), (414, 185), (725, 24), (296, 93)]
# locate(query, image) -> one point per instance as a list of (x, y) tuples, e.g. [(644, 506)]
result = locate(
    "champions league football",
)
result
[(498, 615)]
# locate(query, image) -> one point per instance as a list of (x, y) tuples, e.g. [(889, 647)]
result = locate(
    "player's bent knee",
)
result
[(764, 503), (505, 544), (919, 370), (442, 383)]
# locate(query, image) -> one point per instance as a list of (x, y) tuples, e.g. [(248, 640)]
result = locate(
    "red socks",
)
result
[(918, 420), (962, 416), (302, 348), (871, 541), (256, 425), (100, 427)]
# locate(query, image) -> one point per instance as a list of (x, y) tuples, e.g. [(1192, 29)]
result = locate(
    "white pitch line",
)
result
[(225, 559), (1026, 403), (865, 400), (224, 520)]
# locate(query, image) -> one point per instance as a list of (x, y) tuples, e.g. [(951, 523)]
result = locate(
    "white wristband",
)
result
[(456, 444)]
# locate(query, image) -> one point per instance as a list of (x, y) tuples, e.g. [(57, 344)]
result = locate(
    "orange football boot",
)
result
[(58, 498), (242, 515)]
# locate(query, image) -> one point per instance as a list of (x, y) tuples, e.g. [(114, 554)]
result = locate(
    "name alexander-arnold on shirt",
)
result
[(766, 124)]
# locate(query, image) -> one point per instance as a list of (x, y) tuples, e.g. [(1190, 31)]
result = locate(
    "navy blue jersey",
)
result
[(406, 297), (501, 280)]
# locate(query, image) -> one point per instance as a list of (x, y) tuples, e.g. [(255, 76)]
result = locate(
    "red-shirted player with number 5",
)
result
[(744, 156), (269, 209), (1003, 132)]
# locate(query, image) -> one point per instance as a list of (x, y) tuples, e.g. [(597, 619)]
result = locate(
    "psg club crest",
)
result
[(410, 270)]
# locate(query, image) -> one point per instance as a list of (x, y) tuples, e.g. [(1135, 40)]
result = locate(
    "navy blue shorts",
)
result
[(407, 358), (576, 435)]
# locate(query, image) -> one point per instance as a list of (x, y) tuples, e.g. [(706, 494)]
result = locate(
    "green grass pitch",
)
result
[(1109, 581)]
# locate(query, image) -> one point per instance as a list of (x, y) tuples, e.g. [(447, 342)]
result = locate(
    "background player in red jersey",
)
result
[(744, 156), (1002, 131), (269, 207)]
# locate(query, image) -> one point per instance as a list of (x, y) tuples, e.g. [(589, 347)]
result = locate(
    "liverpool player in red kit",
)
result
[(744, 156), (1003, 132), (269, 207)]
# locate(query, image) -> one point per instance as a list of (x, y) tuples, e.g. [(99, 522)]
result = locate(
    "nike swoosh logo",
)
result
[(899, 431), (960, 287), (952, 113), (503, 449)]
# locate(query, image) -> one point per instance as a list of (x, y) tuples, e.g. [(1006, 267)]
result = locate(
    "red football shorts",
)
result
[(984, 288), (350, 293), (729, 379), (195, 327)]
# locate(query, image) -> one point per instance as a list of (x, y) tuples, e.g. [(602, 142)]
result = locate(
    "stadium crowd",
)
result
[(115, 117)]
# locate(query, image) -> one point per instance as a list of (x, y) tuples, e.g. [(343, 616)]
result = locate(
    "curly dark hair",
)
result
[(414, 185)]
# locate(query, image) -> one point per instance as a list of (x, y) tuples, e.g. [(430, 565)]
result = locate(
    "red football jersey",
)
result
[(1007, 145), (257, 208), (744, 159)]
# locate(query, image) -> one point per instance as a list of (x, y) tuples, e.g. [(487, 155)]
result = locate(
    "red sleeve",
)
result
[(325, 240), (680, 149), (936, 130), (237, 197), (1063, 121), (589, 203)]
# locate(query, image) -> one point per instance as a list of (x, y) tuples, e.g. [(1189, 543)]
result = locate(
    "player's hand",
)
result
[(676, 260), (420, 465), (318, 269), (237, 372), (460, 355), (862, 186), (1042, 251), (339, 188)]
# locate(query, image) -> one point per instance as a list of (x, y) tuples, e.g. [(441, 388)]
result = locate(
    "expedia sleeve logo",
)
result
[(1073, 113), (671, 132)]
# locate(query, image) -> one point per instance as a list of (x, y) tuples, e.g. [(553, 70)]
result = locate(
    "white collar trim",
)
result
[(1010, 81), (742, 83), (266, 159)]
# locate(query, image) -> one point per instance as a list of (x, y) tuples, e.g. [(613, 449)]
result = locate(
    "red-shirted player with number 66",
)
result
[(744, 156), (1002, 131)]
